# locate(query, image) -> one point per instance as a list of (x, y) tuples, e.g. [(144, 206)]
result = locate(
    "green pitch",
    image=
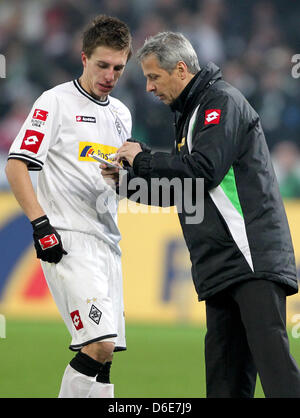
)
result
[(162, 361)]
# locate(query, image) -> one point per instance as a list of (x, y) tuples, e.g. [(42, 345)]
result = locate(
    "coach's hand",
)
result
[(145, 147), (47, 241), (128, 151)]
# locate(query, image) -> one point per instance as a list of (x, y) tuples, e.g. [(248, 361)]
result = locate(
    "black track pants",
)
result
[(246, 334)]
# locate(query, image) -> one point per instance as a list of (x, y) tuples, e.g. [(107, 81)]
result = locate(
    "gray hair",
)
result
[(169, 48)]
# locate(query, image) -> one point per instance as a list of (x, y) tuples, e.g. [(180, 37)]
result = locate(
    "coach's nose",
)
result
[(150, 87)]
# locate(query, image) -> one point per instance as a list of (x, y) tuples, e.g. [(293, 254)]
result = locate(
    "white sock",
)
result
[(75, 384), (101, 390)]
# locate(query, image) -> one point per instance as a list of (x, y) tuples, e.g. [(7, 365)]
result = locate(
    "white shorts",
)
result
[(87, 288)]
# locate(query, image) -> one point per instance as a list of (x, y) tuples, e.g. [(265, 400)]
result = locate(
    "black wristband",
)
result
[(40, 223)]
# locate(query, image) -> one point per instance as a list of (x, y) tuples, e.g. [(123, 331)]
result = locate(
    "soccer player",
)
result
[(74, 214), (242, 256)]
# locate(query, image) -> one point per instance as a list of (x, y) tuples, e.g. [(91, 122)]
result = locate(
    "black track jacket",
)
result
[(244, 233)]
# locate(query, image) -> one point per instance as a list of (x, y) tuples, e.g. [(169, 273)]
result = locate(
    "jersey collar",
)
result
[(86, 94)]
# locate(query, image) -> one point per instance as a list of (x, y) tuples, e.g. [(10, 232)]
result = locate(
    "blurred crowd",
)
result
[(253, 42)]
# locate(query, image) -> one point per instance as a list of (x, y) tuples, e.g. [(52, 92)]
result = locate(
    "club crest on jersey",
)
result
[(76, 320), (48, 241), (212, 116), (90, 119), (118, 125), (32, 140)]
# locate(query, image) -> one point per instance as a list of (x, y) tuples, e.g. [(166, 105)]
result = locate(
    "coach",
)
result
[(242, 255)]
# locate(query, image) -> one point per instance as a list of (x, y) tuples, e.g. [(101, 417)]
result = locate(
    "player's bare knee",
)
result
[(100, 351), (106, 350)]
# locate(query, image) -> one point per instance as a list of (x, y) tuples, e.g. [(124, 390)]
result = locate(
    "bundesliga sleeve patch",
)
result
[(40, 114), (212, 116), (32, 140)]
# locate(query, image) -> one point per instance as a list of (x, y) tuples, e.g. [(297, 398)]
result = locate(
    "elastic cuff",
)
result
[(40, 222), (141, 164)]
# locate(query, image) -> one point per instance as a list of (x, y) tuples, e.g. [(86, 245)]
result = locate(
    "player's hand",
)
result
[(110, 174), (47, 241)]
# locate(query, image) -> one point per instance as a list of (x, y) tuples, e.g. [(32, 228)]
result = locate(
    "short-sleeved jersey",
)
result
[(65, 127)]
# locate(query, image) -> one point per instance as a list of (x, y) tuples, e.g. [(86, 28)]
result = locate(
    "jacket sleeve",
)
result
[(145, 190), (214, 147)]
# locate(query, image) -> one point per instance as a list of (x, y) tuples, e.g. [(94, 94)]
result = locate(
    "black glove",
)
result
[(47, 241)]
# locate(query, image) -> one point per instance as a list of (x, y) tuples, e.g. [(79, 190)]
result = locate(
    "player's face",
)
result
[(167, 87), (102, 70)]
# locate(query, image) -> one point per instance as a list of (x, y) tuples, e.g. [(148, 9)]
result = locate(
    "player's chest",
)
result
[(100, 124)]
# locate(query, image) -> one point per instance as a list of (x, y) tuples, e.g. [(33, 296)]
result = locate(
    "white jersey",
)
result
[(65, 126)]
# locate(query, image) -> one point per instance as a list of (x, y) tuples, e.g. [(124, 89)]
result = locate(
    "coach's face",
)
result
[(102, 70), (167, 87)]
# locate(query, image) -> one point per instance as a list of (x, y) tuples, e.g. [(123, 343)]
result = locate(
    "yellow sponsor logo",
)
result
[(86, 149), (181, 144)]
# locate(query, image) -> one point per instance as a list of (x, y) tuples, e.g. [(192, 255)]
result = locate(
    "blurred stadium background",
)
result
[(253, 41)]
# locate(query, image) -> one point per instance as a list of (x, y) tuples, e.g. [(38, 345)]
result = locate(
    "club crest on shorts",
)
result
[(95, 314)]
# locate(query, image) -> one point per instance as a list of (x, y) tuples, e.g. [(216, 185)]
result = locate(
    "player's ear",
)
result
[(83, 59)]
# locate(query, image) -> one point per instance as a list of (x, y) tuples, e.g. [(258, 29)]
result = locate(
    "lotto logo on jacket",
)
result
[(212, 116)]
